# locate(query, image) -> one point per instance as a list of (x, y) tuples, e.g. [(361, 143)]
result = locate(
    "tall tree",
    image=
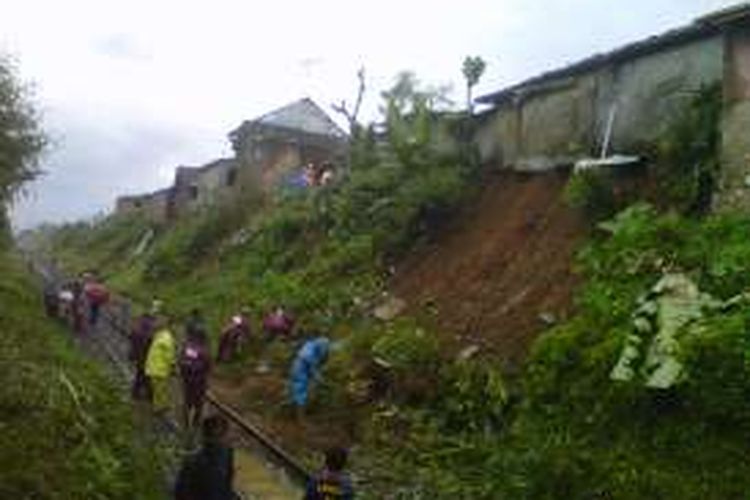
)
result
[(473, 68), (21, 137)]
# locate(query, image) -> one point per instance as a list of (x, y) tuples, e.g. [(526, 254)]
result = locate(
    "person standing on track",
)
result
[(51, 298), (234, 336), (159, 364), (96, 295), (195, 366), (208, 474), (77, 306), (195, 324), (331, 483), (140, 341)]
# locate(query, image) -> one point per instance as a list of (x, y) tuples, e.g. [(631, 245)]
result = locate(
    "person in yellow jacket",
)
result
[(160, 362)]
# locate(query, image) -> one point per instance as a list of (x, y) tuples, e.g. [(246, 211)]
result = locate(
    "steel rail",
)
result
[(295, 470)]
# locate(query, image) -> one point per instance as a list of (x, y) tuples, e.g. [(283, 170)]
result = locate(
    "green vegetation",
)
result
[(103, 243), (472, 69), (21, 140), (66, 433), (324, 252), (578, 434), (452, 426), (591, 191)]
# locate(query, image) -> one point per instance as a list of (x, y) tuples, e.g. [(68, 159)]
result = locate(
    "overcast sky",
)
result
[(131, 89)]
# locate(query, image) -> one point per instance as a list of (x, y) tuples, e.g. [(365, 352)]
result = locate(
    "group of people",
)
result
[(318, 174), (156, 355), (78, 301)]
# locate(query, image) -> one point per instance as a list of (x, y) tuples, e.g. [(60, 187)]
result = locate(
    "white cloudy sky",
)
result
[(130, 89)]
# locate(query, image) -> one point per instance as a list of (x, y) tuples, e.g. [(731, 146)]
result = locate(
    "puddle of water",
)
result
[(255, 479)]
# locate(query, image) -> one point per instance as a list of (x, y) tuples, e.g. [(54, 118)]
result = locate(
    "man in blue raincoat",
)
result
[(305, 368)]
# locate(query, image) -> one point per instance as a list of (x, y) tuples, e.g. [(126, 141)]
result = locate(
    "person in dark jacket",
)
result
[(195, 325), (234, 336), (331, 483), (51, 299), (208, 474), (140, 340), (77, 314), (195, 366)]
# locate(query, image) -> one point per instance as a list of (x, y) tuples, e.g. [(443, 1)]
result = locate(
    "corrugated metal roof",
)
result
[(701, 28), (303, 115)]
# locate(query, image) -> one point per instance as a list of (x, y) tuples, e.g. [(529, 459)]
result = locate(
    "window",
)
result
[(193, 192), (231, 177), (138, 203)]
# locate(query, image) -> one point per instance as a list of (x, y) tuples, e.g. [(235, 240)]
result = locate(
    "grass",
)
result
[(66, 432), (437, 427)]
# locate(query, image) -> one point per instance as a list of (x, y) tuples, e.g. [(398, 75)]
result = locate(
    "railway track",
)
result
[(294, 469), (253, 448)]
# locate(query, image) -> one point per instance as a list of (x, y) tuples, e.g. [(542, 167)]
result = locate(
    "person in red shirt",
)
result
[(96, 295), (278, 323), (234, 336)]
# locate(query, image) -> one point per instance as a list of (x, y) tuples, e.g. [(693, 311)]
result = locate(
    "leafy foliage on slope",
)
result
[(323, 252), (453, 428), (105, 244), (578, 434)]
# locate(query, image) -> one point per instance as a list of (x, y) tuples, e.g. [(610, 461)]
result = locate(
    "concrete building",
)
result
[(266, 149), (290, 137), (154, 206), (200, 187), (557, 117)]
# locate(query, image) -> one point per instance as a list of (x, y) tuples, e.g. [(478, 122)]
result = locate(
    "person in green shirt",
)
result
[(160, 362)]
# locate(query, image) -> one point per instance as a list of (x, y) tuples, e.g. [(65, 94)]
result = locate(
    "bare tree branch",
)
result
[(343, 109)]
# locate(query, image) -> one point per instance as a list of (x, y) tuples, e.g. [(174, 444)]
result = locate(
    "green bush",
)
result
[(473, 397), (406, 347), (687, 154), (591, 191)]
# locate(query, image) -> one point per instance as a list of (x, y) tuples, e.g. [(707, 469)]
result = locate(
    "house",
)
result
[(559, 116), (200, 187), (266, 149), (153, 206), (299, 133)]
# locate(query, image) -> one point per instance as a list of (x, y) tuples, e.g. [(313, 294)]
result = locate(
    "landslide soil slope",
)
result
[(498, 269)]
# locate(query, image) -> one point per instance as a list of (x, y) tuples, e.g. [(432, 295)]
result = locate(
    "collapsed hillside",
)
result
[(426, 421), (497, 274)]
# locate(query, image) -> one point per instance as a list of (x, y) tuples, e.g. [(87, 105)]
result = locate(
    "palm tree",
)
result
[(473, 68)]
